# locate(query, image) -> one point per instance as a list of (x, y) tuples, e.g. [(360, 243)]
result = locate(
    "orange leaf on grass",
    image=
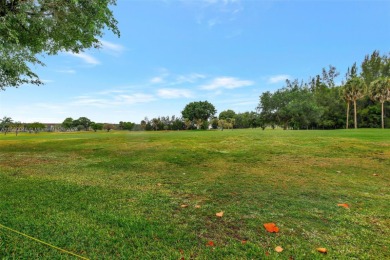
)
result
[(322, 250), (219, 214), (271, 227), (278, 249), (243, 242), (197, 206), (345, 205), (184, 205), (210, 243)]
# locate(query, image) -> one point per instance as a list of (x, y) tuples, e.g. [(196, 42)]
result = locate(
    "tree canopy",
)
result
[(32, 27), (201, 110)]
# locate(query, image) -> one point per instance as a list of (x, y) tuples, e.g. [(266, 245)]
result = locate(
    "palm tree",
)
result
[(348, 98), (380, 91), (356, 89)]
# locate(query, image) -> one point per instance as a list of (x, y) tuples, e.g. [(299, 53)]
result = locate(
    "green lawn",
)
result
[(119, 194)]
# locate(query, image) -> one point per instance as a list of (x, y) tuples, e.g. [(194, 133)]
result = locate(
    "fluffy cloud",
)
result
[(85, 57), (174, 93), (278, 78), (227, 83), (112, 46)]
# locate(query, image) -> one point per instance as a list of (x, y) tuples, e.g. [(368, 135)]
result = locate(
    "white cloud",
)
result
[(113, 47), (191, 78), (227, 83), (135, 98), (174, 93), (69, 71), (85, 57), (156, 80), (278, 78), (112, 98)]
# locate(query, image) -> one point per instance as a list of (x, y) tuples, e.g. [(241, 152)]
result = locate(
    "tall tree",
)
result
[(201, 110), (6, 124), (379, 90), (355, 88), (85, 122), (32, 27), (372, 67), (227, 114)]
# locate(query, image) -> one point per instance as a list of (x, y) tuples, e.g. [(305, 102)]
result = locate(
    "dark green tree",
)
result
[(379, 91), (96, 126), (68, 123), (32, 27), (85, 122), (6, 124), (355, 89), (198, 112), (227, 114)]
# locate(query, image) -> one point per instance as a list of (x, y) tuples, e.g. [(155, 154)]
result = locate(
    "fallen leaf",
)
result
[(278, 249), (322, 250), (375, 174), (219, 214), (159, 184), (197, 206), (267, 253), (345, 205), (243, 242), (184, 205), (271, 227), (210, 243)]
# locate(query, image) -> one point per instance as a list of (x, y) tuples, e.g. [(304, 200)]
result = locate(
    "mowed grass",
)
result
[(118, 195)]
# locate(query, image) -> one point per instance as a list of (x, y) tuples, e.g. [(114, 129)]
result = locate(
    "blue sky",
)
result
[(228, 52)]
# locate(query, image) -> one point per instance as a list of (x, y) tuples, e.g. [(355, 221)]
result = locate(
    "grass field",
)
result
[(119, 195)]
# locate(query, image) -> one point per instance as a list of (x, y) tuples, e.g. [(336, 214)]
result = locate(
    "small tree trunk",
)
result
[(355, 114), (383, 117), (347, 115)]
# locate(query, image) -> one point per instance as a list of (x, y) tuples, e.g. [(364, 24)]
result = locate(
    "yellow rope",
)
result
[(42, 242)]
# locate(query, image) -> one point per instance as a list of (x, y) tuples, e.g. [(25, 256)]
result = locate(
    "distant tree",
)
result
[(96, 126), (155, 123), (187, 123), (355, 88), (372, 67), (329, 76), (6, 124), (379, 91), (214, 123), (126, 125), (201, 110), (31, 27), (36, 127), (108, 127), (227, 114), (178, 124), (67, 123), (143, 124), (267, 109), (222, 124), (18, 126), (85, 122)]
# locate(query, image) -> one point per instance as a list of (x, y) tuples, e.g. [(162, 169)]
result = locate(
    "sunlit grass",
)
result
[(118, 194)]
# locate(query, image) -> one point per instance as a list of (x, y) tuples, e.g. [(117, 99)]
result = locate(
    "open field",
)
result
[(119, 194)]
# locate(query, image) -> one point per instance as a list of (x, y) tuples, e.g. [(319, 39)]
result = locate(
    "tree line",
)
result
[(318, 103), (321, 104)]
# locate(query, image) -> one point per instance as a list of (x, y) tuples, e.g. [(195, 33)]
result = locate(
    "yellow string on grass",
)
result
[(43, 242)]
